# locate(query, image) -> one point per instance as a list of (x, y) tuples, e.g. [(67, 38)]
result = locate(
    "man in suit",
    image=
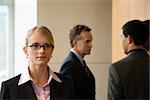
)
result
[(129, 77), (74, 65), (147, 23)]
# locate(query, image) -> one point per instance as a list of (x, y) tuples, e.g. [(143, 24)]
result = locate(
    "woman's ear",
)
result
[(25, 51)]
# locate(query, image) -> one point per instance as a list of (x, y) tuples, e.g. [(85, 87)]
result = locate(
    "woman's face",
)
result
[(39, 50)]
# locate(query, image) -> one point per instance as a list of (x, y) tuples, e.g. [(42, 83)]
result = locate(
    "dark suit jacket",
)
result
[(84, 84), (129, 77), (58, 91)]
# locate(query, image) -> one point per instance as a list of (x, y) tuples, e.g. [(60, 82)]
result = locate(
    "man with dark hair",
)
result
[(129, 77), (74, 65), (147, 23)]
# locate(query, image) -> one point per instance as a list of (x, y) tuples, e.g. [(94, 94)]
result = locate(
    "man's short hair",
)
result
[(75, 32), (137, 30)]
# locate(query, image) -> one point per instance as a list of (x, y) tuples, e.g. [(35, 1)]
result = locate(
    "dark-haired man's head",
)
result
[(147, 23), (135, 35)]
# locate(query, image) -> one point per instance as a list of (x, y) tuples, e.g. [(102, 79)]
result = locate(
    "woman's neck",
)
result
[(39, 74)]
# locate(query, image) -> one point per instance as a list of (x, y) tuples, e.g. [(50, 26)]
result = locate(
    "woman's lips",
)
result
[(41, 57)]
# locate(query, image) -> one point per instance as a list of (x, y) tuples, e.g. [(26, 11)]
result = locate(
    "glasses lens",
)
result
[(46, 46), (35, 46)]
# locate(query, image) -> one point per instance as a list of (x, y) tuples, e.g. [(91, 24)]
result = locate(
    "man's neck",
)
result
[(132, 47), (78, 52)]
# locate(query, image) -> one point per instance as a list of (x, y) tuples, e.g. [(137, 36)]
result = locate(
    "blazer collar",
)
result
[(137, 52), (26, 91), (55, 89), (25, 77), (77, 56)]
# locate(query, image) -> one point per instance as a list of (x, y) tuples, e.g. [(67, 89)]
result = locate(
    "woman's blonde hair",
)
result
[(43, 30)]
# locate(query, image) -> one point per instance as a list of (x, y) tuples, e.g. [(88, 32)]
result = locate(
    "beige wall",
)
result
[(61, 15), (123, 11)]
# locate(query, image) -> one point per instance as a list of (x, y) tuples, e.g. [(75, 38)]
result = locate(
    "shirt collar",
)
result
[(133, 50), (25, 76), (78, 56)]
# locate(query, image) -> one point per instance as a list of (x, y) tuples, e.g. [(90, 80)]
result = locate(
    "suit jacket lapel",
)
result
[(27, 91), (55, 89), (74, 57)]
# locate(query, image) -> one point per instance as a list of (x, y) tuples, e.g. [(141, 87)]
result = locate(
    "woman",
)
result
[(38, 82)]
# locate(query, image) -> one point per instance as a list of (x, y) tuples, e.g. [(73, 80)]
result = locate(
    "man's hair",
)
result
[(75, 33), (147, 23), (137, 30)]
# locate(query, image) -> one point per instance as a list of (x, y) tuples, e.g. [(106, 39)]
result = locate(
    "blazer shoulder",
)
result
[(121, 61), (13, 80), (131, 59), (71, 61), (71, 58)]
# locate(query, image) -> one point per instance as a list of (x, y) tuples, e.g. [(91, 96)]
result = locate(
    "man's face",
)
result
[(124, 43), (84, 44)]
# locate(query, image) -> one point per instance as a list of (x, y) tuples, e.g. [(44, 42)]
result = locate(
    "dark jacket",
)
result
[(58, 91), (84, 83), (129, 77)]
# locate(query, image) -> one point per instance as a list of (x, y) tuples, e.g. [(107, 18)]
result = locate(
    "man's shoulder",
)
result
[(70, 56), (120, 62), (71, 59), (132, 59)]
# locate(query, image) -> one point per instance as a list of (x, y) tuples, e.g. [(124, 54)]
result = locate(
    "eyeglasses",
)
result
[(37, 46)]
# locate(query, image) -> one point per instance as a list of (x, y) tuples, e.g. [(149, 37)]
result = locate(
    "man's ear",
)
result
[(74, 42), (129, 39)]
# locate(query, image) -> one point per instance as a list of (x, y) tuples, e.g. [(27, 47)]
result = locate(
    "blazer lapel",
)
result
[(55, 89), (74, 56), (27, 91)]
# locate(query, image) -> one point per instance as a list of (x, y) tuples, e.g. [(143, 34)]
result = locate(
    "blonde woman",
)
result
[(38, 82)]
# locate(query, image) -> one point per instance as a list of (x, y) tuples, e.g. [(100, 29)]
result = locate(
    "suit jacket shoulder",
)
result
[(129, 77), (84, 83), (71, 65)]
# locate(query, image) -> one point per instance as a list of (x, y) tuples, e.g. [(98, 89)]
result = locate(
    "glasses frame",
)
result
[(37, 46)]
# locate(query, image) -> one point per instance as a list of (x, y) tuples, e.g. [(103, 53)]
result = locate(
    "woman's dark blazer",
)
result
[(58, 91)]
